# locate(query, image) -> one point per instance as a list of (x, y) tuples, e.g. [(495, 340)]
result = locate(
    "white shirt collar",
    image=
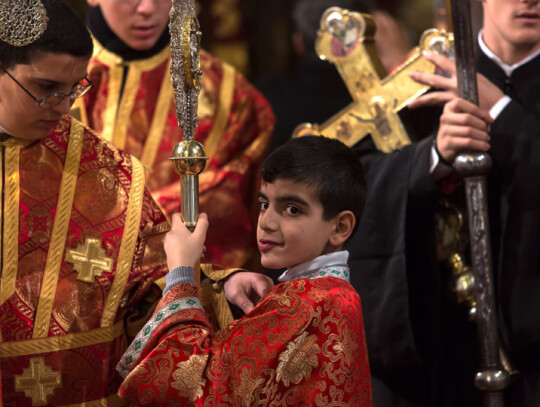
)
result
[(508, 69), (331, 259)]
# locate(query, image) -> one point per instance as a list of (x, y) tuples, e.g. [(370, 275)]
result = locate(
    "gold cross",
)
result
[(346, 39), (38, 381), (89, 260)]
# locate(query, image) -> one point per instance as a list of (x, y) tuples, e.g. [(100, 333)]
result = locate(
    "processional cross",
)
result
[(346, 39)]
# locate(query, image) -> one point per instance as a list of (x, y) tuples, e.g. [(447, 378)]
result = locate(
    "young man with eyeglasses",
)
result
[(81, 237)]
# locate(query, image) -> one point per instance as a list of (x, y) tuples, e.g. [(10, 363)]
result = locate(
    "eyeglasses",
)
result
[(55, 98)]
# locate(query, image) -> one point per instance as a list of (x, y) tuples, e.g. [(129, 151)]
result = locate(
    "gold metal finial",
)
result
[(22, 21), (188, 157)]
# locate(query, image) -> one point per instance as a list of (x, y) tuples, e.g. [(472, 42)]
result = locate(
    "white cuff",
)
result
[(498, 107)]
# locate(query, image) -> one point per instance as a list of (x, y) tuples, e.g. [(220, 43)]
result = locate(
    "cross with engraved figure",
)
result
[(38, 381), (89, 260), (346, 39)]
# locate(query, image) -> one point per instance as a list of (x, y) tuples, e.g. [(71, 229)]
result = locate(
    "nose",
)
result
[(147, 7), (64, 106), (268, 220)]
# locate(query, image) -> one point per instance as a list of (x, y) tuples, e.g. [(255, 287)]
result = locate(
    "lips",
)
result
[(529, 15), (265, 245), (145, 31), (50, 123)]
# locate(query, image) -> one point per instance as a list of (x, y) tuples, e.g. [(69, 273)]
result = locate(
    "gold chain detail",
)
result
[(59, 343), (58, 238), (161, 112), (11, 225), (128, 244), (226, 95)]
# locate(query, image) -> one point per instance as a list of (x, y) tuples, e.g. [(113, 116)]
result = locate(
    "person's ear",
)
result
[(344, 223), (93, 3)]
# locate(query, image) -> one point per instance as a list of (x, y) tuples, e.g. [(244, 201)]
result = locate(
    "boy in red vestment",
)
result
[(303, 343), (133, 106)]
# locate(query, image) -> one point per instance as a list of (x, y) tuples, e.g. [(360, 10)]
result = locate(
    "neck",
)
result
[(106, 37), (508, 52)]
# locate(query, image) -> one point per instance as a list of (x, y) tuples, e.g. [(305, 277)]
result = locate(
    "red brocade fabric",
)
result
[(302, 345), (137, 114), (72, 362)]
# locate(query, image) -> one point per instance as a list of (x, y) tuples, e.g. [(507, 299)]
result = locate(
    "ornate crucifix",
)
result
[(346, 39)]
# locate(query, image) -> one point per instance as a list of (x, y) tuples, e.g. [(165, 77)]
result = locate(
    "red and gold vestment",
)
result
[(82, 244), (133, 106), (302, 345)]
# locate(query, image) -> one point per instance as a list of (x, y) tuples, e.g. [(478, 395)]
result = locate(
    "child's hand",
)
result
[(245, 289), (182, 247)]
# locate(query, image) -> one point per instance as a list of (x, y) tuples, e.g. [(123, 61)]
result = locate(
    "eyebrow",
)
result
[(55, 83), (286, 198)]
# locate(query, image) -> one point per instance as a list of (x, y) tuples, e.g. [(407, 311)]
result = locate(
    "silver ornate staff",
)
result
[(188, 156), (492, 379)]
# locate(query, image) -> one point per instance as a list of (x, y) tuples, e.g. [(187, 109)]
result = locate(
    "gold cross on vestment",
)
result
[(89, 260), (38, 381), (346, 39)]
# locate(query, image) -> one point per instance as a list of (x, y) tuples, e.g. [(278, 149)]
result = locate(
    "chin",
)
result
[(272, 264)]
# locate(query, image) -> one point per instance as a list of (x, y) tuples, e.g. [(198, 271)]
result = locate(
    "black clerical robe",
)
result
[(422, 352)]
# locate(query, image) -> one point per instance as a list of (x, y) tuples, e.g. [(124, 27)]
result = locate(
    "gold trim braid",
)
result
[(161, 112), (58, 238), (111, 401), (128, 244), (60, 343), (226, 95), (115, 82), (123, 115), (11, 224)]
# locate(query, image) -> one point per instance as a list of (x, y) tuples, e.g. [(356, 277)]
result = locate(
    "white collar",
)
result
[(508, 69), (331, 259), (2, 130)]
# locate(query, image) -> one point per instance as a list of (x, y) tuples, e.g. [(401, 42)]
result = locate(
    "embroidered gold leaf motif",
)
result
[(346, 348), (297, 361), (188, 377), (246, 390)]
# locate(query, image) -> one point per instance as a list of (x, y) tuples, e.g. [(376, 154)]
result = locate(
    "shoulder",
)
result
[(96, 152)]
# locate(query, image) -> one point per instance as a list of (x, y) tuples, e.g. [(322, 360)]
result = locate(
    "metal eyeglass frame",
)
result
[(74, 94)]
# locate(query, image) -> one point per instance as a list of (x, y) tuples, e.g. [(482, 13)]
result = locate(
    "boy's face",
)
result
[(291, 229), (138, 23), (48, 73)]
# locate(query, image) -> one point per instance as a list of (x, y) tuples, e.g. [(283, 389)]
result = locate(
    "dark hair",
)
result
[(328, 165), (66, 33), (307, 15)]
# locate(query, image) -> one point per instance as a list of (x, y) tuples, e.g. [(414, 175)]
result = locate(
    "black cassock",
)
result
[(422, 349)]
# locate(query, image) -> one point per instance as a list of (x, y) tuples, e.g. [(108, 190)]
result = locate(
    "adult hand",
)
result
[(463, 126), (488, 93), (182, 247), (245, 289)]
